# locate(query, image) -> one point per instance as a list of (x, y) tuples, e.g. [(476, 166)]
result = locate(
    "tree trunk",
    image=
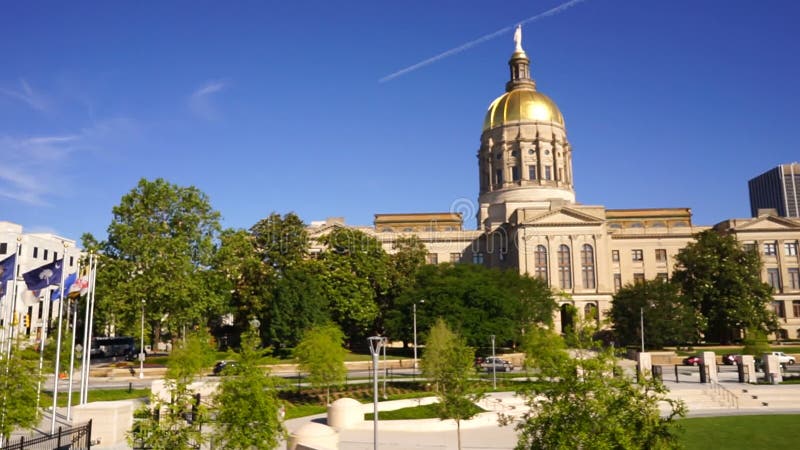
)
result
[(458, 432)]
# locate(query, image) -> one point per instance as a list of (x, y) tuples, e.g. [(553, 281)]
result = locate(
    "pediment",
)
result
[(561, 216), (769, 223)]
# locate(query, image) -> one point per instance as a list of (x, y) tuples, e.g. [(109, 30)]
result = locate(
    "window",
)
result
[(615, 255), (455, 258), (547, 175), (638, 278), (637, 255), (432, 258), (774, 279), (498, 176), (796, 307), (477, 258), (564, 271), (794, 278), (55, 256), (770, 249), (45, 255), (515, 173), (779, 309), (590, 312), (540, 262), (515, 153), (560, 174), (661, 255), (71, 261), (790, 248), (617, 282), (749, 247), (662, 276), (3, 248), (532, 172), (587, 266), (35, 252)]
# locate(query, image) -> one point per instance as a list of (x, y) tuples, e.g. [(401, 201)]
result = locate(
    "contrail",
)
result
[(461, 48)]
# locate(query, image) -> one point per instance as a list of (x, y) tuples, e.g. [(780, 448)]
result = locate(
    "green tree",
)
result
[(755, 343), (162, 238), (248, 410), (584, 406), (321, 355), (355, 275), (281, 241), (448, 363), (19, 380), (668, 317), (478, 300), (176, 424), (298, 303), (723, 282)]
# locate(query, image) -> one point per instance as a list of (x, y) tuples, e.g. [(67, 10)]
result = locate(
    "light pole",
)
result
[(141, 346), (375, 343), (494, 367), (641, 325), (415, 334)]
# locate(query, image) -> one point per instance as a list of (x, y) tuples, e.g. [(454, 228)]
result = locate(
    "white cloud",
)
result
[(200, 100), (31, 165), (27, 95)]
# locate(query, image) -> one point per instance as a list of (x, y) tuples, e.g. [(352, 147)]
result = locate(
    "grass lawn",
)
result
[(412, 413), (774, 432), (98, 395)]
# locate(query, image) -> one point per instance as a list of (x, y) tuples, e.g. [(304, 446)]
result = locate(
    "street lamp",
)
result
[(375, 343), (415, 333), (141, 346), (641, 325), (494, 367)]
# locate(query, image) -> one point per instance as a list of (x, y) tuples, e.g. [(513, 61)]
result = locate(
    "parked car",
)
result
[(729, 359), (222, 365), (693, 360), (783, 358), (497, 364)]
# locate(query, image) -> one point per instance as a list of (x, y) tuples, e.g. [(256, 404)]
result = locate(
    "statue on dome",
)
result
[(518, 39)]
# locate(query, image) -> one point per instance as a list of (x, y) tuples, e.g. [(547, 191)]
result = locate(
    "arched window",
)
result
[(587, 266), (540, 262), (590, 312), (564, 271)]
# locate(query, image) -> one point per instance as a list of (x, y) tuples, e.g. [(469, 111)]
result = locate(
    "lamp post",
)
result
[(415, 334), (641, 325), (375, 343), (141, 346), (494, 367)]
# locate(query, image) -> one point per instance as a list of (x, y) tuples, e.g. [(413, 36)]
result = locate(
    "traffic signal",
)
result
[(27, 320)]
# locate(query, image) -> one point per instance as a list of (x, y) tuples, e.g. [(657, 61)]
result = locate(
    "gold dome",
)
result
[(522, 105)]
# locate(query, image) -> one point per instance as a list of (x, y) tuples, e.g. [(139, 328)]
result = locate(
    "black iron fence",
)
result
[(74, 438)]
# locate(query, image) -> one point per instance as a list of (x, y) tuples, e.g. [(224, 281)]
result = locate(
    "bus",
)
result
[(104, 347)]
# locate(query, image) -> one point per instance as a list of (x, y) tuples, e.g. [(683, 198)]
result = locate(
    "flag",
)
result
[(46, 275), (79, 287), (6, 271), (68, 282)]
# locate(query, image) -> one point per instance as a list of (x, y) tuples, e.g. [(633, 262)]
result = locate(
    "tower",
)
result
[(525, 159)]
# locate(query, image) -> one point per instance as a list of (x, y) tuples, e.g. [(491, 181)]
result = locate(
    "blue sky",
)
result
[(277, 106)]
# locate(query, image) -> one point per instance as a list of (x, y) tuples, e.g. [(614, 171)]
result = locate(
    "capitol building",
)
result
[(529, 218)]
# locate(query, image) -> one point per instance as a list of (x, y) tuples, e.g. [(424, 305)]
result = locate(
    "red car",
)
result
[(692, 361)]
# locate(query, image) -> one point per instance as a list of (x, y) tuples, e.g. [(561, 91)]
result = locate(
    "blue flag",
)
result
[(67, 284), (46, 275), (6, 271)]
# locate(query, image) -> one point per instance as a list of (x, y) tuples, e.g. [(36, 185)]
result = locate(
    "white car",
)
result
[(783, 358)]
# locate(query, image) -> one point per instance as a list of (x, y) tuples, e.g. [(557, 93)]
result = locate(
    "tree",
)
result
[(281, 241), (321, 355), (669, 318), (298, 303), (162, 237), (584, 406), (479, 300), (723, 282), (448, 363), (355, 275), (19, 379), (248, 409), (176, 424)]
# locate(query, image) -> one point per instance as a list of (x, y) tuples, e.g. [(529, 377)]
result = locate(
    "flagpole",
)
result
[(72, 345), (13, 301), (58, 343), (86, 345), (90, 299), (45, 325)]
